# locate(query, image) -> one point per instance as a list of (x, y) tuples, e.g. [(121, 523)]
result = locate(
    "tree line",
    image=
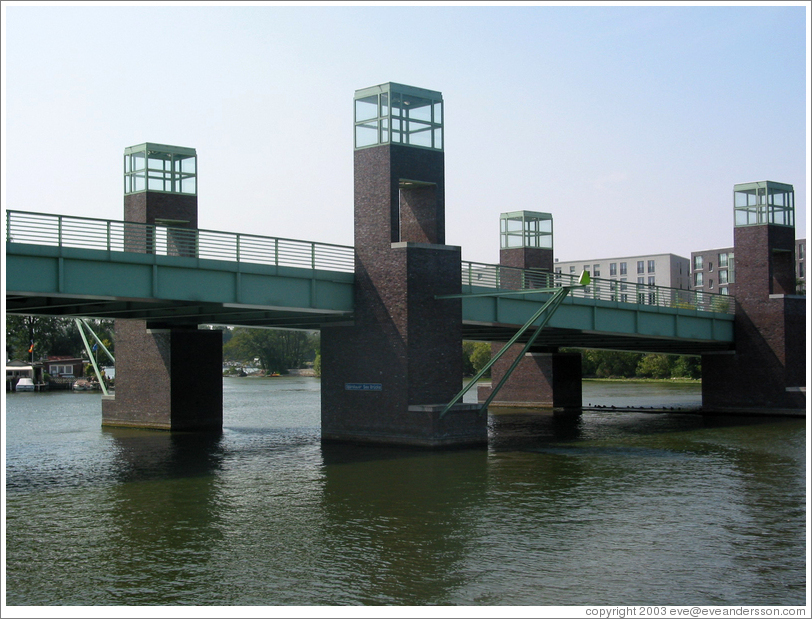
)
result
[(277, 351), (603, 363), (39, 337)]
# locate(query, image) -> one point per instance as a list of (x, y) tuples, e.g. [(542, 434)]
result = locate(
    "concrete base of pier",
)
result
[(418, 426), (166, 379), (541, 380)]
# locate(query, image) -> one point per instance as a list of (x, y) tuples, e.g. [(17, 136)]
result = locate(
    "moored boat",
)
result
[(25, 384)]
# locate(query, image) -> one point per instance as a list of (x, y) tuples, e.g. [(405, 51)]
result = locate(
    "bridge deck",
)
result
[(80, 267)]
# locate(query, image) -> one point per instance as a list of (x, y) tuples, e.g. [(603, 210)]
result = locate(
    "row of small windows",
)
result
[(725, 260), (725, 277), (595, 269)]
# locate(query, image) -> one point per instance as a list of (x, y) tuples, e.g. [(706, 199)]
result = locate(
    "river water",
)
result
[(611, 508)]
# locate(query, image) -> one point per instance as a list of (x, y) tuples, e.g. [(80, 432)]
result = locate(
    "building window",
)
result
[(697, 263), (710, 266), (641, 266), (722, 277), (597, 270), (722, 261), (801, 251), (651, 280), (623, 268), (613, 269), (724, 290), (60, 370), (698, 281), (572, 269), (801, 270), (710, 284), (651, 266)]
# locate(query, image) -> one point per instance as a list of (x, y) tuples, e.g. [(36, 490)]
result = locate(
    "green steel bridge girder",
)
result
[(186, 291), (172, 290), (595, 323)]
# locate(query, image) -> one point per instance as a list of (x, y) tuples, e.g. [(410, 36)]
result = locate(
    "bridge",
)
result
[(393, 310), (67, 266)]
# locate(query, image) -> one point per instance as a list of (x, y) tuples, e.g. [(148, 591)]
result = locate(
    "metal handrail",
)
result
[(481, 276), (126, 236), (111, 235)]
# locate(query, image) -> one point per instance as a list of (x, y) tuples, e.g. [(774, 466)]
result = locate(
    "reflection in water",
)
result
[(162, 505), (399, 525), (603, 508)]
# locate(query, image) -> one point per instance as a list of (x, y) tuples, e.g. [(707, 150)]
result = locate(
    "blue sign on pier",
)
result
[(363, 387)]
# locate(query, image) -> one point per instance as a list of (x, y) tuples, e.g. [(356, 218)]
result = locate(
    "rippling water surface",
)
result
[(609, 508)]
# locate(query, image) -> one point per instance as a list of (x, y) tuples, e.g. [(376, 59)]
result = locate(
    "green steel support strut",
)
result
[(90, 354), (559, 295), (552, 303), (557, 299), (96, 337)]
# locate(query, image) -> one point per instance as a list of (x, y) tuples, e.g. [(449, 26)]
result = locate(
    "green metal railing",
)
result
[(110, 235), (479, 277), (125, 236)]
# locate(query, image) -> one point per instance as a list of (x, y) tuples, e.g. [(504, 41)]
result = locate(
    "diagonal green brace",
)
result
[(556, 301), (551, 304)]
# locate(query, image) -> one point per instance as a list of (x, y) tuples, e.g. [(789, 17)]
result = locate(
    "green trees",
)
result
[(474, 356), (276, 350), (609, 363), (618, 364), (51, 336)]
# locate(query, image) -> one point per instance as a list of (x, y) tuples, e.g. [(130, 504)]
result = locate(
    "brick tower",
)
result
[(387, 377), (767, 371), (166, 378), (544, 378)]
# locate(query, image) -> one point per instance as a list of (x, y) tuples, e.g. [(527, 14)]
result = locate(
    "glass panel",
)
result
[(419, 134), (155, 164), (438, 139), (140, 183), (366, 134), (188, 185), (188, 165), (438, 113), (137, 161), (385, 104), (366, 108), (419, 109)]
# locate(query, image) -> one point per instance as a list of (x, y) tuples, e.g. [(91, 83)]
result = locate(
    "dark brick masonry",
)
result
[(165, 379), (543, 380), (404, 344), (768, 368)]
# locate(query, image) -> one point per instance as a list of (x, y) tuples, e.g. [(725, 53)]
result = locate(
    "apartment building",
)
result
[(667, 270), (714, 270)]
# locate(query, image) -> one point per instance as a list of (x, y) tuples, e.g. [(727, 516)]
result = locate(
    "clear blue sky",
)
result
[(629, 124)]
